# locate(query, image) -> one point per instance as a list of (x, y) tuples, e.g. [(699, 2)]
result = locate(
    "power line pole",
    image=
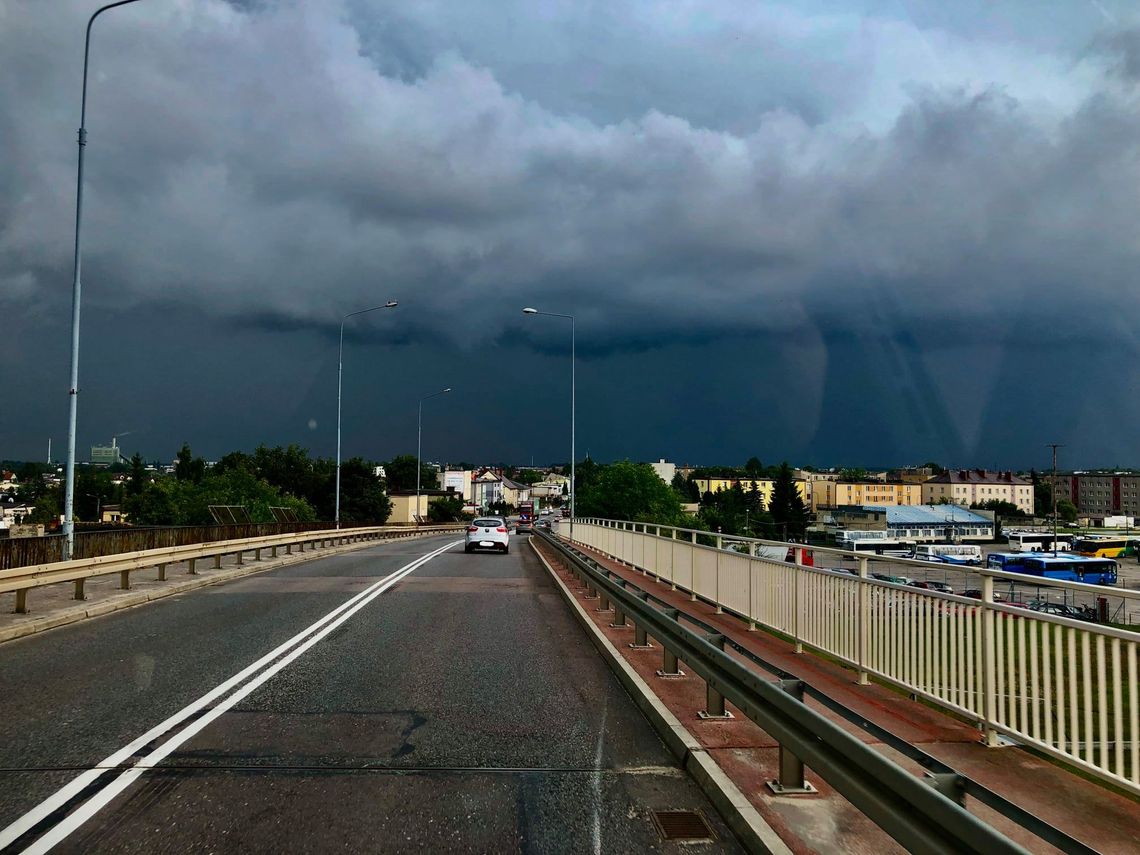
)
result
[(1054, 446)]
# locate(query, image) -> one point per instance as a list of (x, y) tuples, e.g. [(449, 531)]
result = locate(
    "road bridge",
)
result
[(399, 697)]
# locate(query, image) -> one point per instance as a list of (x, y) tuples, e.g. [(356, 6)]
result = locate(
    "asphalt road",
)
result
[(461, 709)]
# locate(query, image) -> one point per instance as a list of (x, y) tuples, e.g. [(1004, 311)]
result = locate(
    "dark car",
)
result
[(940, 587)]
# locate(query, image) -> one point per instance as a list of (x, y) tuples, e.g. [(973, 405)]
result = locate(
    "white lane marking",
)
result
[(597, 781), (69, 791)]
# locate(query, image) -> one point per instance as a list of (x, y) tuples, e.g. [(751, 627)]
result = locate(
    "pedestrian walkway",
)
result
[(1105, 820)]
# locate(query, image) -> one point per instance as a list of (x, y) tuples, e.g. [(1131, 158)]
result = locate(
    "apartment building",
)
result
[(763, 486), (1101, 493), (973, 486), (834, 494)]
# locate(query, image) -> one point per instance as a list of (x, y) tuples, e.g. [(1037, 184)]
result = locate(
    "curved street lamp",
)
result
[(391, 304), (419, 438), (76, 293), (573, 401)]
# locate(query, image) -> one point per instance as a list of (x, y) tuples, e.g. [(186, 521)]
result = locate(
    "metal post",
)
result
[(76, 301), (989, 665), (640, 638), (619, 617), (798, 605), (864, 622), (669, 664), (419, 445), (391, 304), (714, 700), (791, 781)]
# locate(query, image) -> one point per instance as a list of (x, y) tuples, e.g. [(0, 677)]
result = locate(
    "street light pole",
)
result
[(419, 441), (391, 304), (76, 294), (1054, 446), (573, 403)]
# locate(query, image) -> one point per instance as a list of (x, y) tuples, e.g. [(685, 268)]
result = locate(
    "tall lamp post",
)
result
[(391, 304), (573, 402), (76, 293), (1054, 446), (419, 440)]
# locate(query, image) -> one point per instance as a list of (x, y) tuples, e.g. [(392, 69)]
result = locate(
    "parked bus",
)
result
[(1096, 546), (878, 542), (1037, 541), (1066, 568), (949, 553)]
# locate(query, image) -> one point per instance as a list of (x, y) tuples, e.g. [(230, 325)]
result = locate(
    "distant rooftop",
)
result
[(976, 476), (924, 514)]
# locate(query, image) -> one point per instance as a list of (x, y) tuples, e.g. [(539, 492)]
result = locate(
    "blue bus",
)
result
[(1065, 567)]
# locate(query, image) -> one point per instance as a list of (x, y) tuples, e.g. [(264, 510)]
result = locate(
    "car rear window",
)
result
[(489, 522)]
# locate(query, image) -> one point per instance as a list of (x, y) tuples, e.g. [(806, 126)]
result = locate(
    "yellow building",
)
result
[(404, 508), (833, 494), (763, 486)]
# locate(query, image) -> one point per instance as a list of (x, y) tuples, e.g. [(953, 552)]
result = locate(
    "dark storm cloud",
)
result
[(742, 170)]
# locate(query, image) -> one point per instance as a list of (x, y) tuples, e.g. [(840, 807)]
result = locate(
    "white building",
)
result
[(665, 470)]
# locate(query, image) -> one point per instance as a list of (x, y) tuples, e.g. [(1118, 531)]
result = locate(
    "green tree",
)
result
[(446, 509), (854, 474), (1066, 510), (628, 491), (934, 467), (400, 472), (153, 506), (754, 468), (138, 480), (1042, 493), (786, 506), (93, 489), (48, 507), (187, 467), (1003, 509), (363, 499)]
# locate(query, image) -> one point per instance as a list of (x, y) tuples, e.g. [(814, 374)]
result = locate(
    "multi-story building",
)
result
[(665, 470), (833, 494), (974, 486), (1100, 493), (763, 486)]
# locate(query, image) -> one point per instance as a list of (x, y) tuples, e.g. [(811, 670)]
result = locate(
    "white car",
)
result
[(487, 533)]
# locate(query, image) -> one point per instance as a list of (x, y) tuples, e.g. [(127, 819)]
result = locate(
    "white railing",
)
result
[(1064, 687)]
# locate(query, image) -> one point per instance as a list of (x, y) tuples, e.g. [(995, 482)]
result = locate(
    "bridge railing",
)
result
[(22, 580), (26, 551), (1064, 687)]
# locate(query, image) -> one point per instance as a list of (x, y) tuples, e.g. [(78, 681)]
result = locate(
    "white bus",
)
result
[(949, 553), (878, 542), (1037, 541)]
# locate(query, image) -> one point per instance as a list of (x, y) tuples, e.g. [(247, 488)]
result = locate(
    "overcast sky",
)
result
[(824, 231)]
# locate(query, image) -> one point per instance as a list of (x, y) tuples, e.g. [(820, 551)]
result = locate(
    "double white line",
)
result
[(248, 680)]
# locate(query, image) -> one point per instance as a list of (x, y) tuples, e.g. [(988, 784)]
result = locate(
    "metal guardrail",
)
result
[(951, 781), (21, 580), (1066, 688), (91, 543), (917, 815)]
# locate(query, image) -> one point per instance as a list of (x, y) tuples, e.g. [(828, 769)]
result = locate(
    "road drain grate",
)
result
[(682, 825)]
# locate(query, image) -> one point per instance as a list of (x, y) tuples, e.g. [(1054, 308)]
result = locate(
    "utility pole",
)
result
[(1054, 446)]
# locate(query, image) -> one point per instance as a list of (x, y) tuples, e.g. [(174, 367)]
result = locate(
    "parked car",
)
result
[(940, 587), (487, 533), (1061, 610), (898, 580)]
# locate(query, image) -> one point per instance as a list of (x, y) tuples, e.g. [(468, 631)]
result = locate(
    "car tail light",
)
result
[(472, 528), (501, 528)]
